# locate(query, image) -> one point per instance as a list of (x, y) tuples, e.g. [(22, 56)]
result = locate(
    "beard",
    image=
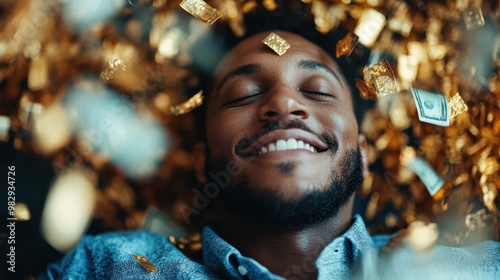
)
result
[(317, 205)]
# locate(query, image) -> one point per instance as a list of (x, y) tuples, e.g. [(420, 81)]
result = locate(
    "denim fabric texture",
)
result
[(109, 256)]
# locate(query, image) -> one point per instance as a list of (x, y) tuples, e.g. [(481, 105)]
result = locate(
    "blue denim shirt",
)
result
[(109, 256)]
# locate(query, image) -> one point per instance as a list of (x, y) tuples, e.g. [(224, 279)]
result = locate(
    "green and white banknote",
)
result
[(427, 174), (432, 108)]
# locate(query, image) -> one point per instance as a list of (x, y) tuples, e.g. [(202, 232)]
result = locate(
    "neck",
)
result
[(285, 251)]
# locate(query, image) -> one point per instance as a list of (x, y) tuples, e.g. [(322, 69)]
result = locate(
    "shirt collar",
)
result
[(222, 258), (353, 243)]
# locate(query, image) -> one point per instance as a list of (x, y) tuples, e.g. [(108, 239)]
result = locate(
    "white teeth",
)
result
[(272, 147), (263, 150), (280, 145), (291, 144), (300, 144), (283, 145)]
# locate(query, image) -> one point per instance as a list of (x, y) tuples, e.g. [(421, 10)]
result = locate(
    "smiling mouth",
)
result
[(285, 145), (282, 140)]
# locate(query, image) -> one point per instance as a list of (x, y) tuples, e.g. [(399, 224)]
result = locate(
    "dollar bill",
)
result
[(427, 174), (432, 108)]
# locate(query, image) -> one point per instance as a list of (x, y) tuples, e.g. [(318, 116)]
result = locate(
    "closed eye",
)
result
[(239, 101), (319, 94)]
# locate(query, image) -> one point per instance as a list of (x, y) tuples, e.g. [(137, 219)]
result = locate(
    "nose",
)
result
[(283, 102)]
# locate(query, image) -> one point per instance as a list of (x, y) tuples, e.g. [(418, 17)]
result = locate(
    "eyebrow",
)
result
[(250, 69), (244, 70), (314, 65)]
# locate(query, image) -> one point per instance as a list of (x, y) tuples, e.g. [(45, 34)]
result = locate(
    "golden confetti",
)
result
[(111, 67), (380, 77), (145, 263), (346, 45), (456, 105), (407, 155), (201, 10), (270, 5), (22, 212), (369, 27), (189, 105), (473, 18), (38, 76), (276, 43), (365, 90)]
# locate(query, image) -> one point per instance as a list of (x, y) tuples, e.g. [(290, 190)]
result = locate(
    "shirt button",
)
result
[(242, 270)]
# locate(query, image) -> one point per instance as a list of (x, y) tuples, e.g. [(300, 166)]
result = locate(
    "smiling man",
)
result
[(288, 122), (282, 133)]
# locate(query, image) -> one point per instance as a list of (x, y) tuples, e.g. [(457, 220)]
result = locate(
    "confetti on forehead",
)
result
[(276, 43)]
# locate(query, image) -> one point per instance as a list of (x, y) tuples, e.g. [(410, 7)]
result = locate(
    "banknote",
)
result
[(432, 107), (427, 174)]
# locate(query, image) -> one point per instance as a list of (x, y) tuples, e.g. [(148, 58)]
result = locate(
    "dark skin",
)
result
[(253, 86)]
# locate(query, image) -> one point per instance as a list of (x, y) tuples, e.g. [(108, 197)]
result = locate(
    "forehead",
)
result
[(253, 50)]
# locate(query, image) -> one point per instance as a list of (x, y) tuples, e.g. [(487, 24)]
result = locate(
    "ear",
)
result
[(363, 148), (199, 162)]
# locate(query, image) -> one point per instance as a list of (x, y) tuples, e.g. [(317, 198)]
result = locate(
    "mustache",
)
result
[(246, 141)]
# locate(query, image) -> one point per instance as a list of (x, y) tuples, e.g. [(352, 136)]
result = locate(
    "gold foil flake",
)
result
[(346, 45), (276, 43), (189, 105), (188, 245), (407, 155), (490, 193), (145, 263), (172, 239), (456, 105), (111, 67), (38, 76), (365, 90), (201, 10), (234, 15), (22, 212), (369, 27), (380, 77), (473, 18), (407, 69), (327, 16), (52, 129), (270, 5), (476, 220), (371, 208)]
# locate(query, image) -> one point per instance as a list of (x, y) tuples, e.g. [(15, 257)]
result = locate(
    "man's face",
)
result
[(286, 121)]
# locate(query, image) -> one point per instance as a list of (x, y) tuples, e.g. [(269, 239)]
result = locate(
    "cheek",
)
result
[(227, 128), (344, 125)]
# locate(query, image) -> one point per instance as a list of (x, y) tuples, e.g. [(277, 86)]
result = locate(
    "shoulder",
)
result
[(114, 255)]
